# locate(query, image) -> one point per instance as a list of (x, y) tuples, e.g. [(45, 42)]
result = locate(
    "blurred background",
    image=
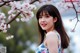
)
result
[(26, 36)]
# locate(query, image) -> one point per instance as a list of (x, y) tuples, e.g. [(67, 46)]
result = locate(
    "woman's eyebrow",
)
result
[(46, 14), (41, 14)]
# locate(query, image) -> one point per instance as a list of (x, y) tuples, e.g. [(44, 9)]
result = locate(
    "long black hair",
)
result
[(53, 11)]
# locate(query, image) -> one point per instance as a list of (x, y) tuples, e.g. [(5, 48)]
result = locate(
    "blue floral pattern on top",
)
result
[(43, 49)]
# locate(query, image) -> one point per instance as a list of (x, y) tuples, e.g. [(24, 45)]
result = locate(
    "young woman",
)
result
[(53, 36)]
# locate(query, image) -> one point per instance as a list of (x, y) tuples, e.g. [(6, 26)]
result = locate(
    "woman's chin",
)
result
[(44, 28)]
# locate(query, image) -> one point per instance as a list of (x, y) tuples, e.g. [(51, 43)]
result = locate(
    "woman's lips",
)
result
[(43, 25)]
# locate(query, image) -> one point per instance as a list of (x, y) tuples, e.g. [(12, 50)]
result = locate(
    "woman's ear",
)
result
[(55, 19)]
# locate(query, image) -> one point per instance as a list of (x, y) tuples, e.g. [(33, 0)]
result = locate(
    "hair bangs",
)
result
[(46, 10)]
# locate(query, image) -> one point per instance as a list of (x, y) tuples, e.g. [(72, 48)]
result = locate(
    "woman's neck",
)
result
[(51, 29)]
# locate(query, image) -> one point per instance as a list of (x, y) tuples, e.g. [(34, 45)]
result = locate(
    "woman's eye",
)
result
[(40, 17), (47, 16)]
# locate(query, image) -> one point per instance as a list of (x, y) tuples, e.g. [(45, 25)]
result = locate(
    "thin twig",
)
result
[(75, 25), (14, 18), (33, 1), (76, 15), (75, 10), (4, 3)]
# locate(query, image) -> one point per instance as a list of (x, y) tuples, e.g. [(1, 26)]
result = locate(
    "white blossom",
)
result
[(15, 5), (26, 17), (17, 19), (32, 7), (18, 5), (2, 20), (2, 15), (29, 14), (3, 27), (11, 16), (24, 7), (22, 15), (9, 37), (12, 4), (11, 11), (23, 19), (9, 26)]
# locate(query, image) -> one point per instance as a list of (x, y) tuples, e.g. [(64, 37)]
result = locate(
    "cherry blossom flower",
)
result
[(17, 19), (16, 6)]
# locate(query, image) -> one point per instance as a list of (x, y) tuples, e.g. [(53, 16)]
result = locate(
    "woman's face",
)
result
[(46, 21)]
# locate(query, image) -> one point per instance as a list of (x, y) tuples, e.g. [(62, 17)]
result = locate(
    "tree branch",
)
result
[(20, 13), (33, 1), (4, 3), (14, 18), (17, 13), (74, 7), (76, 15)]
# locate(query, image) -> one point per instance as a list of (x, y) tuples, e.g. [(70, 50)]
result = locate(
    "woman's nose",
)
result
[(43, 19)]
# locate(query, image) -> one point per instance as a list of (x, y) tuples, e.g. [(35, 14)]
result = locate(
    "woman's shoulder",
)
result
[(51, 38), (52, 35)]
